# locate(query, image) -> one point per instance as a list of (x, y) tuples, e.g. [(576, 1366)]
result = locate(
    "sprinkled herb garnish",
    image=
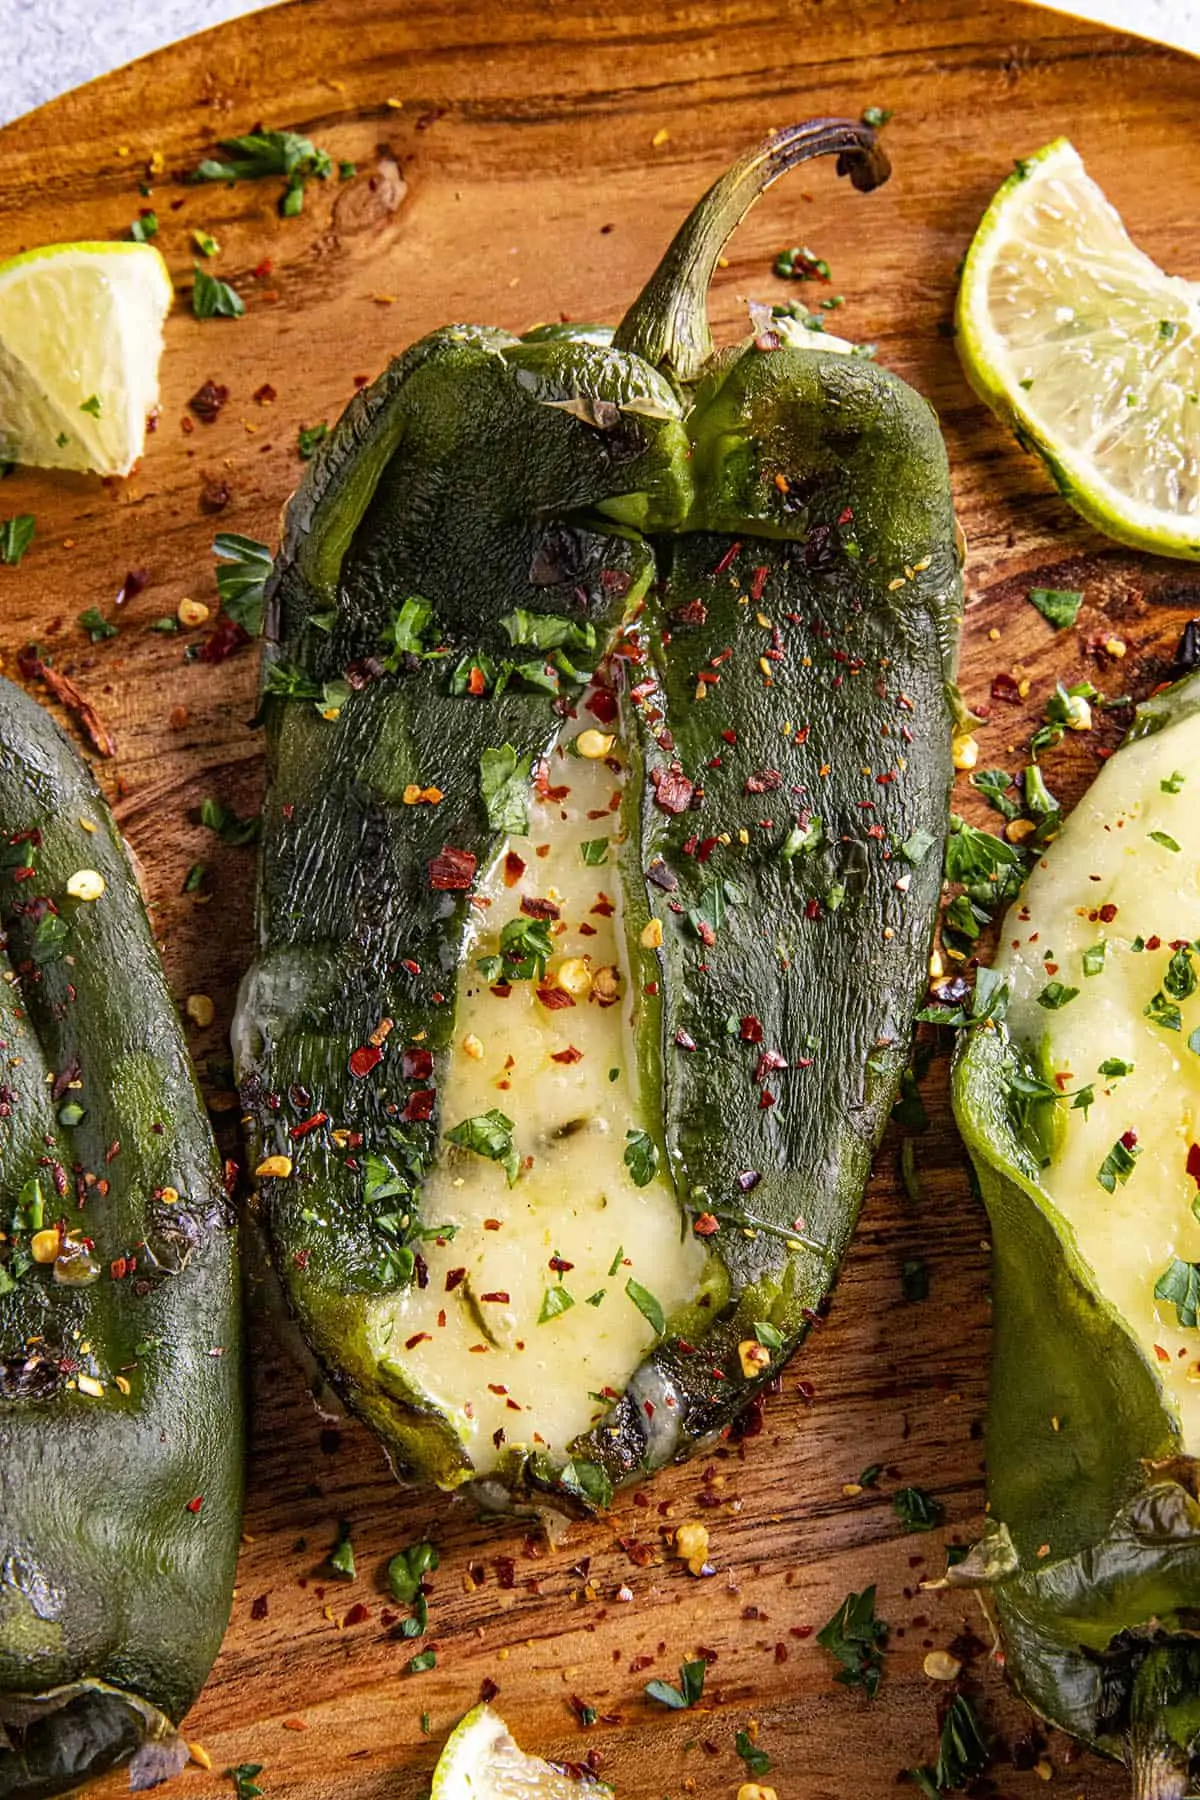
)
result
[(1055, 995), (144, 227), (1058, 606), (16, 535), (757, 1761), (854, 1637), (92, 405), (1163, 838), (617, 1260), (525, 949), (341, 1557), (768, 1334), (206, 245), (691, 1686), (489, 1134), (228, 826), (876, 116), (405, 1573), (594, 852), (963, 1753), (243, 566), (916, 848), (1093, 958), (213, 298), (308, 438), (547, 631), (425, 1659), (504, 779), (1068, 709), (1113, 1068), (555, 1300), (994, 784), (1163, 1012), (1179, 1285), (1117, 1166), (265, 153), (244, 1778), (917, 1509), (96, 625), (1173, 782), (801, 264), (647, 1305), (641, 1157)]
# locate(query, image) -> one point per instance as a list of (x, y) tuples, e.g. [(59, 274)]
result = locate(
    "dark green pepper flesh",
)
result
[(114, 1592)]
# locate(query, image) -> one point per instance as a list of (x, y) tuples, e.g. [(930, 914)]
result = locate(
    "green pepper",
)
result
[(120, 1405), (719, 592), (1077, 1102)]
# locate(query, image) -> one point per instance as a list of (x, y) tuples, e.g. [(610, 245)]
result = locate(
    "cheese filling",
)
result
[(527, 1327), (1111, 912)]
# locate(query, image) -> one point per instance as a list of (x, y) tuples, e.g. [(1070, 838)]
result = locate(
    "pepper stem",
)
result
[(1163, 1722), (667, 324)]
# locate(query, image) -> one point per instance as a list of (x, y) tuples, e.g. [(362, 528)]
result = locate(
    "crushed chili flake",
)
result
[(418, 1337), (220, 646), (673, 792), (604, 906), (1193, 1163), (684, 1039), (729, 557), (476, 681), (514, 868), (364, 1059), (194, 1505), (765, 781), (602, 705), (417, 1065), (499, 1298), (453, 870), (453, 1278), (208, 400), (1004, 687), (706, 1225), (750, 1030), (418, 1107), (693, 613), (309, 1124), (535, 908), (569, 1055), (554, 998), (768, 1061)]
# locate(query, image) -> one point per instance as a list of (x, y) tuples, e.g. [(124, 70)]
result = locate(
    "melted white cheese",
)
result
[(488, 1363), (1106, 858)]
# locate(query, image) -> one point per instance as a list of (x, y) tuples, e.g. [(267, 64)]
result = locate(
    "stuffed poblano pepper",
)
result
[(1080, 1104), (120, 1404), (608, 697)]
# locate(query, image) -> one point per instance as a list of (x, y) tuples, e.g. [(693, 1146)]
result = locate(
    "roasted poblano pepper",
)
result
[(1079, 1104), (120, 1405), (608, 698)]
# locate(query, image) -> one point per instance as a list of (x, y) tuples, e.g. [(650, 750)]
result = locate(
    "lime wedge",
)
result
[(481, 1761), (80, 340), (1089, 351)]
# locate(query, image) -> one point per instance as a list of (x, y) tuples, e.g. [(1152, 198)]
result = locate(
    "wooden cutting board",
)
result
[(515, 164)]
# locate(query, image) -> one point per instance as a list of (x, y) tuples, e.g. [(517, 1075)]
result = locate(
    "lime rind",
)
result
[(482, 1761), (1089, 351), (80, 340)]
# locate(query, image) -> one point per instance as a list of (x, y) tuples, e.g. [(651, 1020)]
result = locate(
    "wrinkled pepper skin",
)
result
[(641, 482), (1102, 1636), (120, 1403)]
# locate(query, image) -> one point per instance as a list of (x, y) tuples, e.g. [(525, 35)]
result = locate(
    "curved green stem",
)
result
[(667, 324)]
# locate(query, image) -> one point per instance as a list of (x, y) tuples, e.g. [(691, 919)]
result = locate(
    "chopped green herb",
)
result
[(96, 625), (347, 171), (1117, 1166), (144, 227), (647, 1305), (594, 852), (547, 631), (757, 1761), (50, 938), (489, 1134), (244, 1778), (284, 682), (265, 153), (1173, 782), (916, 848), (597, 1297), (1180, 1287), (994, 784), (641, 1157), (917, 1509), (1113, 1068), (341, 1557), (308, 438), (405, 1573), (228, 826), (691, 1686), (617, 1260), (195, 878), (1055, 995), (214, 299), (1058, 606), (207, 246), (768, 1335), (91, 405), (963, 1752), (243, 568), (854, 1638), (406, 630), (555, 1300), (1093, 958), (168, 623), (870, 1475), (801, 264), (525, 949), (1068, 709), (424, 1659), (504, 779), (1163, 1012), (1163, 838), (16, 535)]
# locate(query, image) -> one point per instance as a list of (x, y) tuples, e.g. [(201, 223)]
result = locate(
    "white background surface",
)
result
[(52, 45)]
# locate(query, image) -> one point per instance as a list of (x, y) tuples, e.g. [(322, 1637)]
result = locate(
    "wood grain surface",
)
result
[(515, 164)]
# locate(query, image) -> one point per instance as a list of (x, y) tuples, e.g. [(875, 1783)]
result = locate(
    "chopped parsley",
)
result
[(244, 1778), (91, 405), (555, 1300), (144, 227), (406, 630), (1163, 1012), (405, 1573), (214, 299), (757, 1761), (1179, 1285), (308, 438), (876, 116), (425, 1659), (1055, 995), (504, 779), (265, 153), (1058, 606), (525, 949), (1164, 838), (1093, 958), (489, 1134), (854, 1638), (1114, 1067), (1117, 1166), (206, 245), (641, 1157), (341, 1557), (1068, 709), (96, 625), (768, 1335), (917, 1509), (594, 852), (994, 784), (650, 1308), (1173, 782), (229, 827), (916, 848), (16, 535), (547, 631), (243, 567), (691, 1686), (963, 1752)]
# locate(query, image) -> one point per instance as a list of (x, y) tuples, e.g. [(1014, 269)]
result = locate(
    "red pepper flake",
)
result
[(1129, 1139), (194, 1505), (258, 1607), (417, 1065), (418, 1107), (684, 1039), (1152, 943), (706, 1225), (554, 998), (569, 1055), (364, 1059), (1193, 1163), (846, 515), (119, 1267), (1108, 913), (673, 792), (728, 558), (694, 613), (769, 1060), (705, 848), (228, 637), (208, 400), (1004, 687), (812, 909), (309, 1124), (758, 581), (492, 1224), (602, 705), (452, 871), (751, 1031), (533, 908), (413, 968), (265, 394), (488, 1690), (764, 782), (766, 1099), (514, 868), (499, 1298), (453, 1278), (730, 737), (586, 930), (604, 906), (418, 1337)]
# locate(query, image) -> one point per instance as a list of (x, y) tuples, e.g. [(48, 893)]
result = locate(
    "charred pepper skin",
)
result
[(1091, 1558), (635, 480), (120, 1505)]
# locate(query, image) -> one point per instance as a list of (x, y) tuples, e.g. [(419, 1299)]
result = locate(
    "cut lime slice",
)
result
[(80, 340), (481, 1761), (1089, 351)]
